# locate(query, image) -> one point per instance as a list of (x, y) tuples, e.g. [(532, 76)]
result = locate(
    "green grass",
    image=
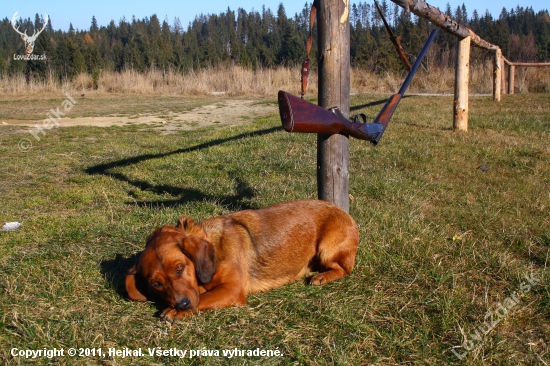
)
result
[(442, 242)]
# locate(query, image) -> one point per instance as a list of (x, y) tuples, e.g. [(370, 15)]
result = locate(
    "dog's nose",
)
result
[(183, 304)]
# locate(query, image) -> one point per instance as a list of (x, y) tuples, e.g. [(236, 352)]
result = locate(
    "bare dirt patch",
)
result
[(227, 112)]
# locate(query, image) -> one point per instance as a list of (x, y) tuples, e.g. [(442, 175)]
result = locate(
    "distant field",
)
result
[(263, 82), (455, 233)]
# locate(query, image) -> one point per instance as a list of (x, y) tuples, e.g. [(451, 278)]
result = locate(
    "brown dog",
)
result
[(215, 263)]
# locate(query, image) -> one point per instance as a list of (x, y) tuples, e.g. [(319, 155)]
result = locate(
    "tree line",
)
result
[(258, 39)]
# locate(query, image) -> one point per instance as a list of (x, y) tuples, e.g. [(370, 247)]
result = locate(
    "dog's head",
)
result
[(172, 267)]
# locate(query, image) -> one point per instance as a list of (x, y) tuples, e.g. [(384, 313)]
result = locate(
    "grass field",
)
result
[(452, 266)]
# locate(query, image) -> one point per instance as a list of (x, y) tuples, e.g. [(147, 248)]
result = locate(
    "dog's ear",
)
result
[(185, 223), (152, 237), (136, 285), (202, 254)]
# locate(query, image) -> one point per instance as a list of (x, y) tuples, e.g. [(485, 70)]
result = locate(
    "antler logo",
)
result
[(29, 40)]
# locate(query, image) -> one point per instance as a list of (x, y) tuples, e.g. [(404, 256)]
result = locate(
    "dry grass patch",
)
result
[(239, 81)]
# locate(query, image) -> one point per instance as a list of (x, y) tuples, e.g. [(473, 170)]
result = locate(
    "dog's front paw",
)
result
[(170, 315), (318, 280)]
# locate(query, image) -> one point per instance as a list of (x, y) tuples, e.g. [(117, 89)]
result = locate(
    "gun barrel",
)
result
[(417, 62), (389, 108)]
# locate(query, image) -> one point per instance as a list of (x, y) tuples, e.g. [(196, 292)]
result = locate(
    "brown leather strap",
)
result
[(305, 65), (304, 76), (395, 40)]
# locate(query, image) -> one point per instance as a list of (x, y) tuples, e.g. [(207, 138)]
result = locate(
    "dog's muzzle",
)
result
[(183, 304)]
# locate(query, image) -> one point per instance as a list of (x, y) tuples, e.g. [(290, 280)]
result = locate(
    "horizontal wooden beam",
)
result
[(526, 64), (530, 64), (448, 24)]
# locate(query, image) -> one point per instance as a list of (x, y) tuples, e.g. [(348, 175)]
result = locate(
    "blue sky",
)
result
[(79, 13)]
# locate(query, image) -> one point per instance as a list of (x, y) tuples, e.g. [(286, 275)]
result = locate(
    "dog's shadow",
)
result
[(114, 271)]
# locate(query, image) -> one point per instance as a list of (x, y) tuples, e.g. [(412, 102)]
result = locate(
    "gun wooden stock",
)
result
[(298, 115)]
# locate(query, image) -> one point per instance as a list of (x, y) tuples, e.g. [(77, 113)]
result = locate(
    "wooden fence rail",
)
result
[(448, 24), (508, 87), (334, 75), (467, 37)]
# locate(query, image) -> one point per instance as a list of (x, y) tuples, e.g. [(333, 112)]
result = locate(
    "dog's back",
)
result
[(284, 242)]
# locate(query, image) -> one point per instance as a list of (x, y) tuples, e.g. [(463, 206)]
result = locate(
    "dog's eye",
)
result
[(179, 269), (156, 285)]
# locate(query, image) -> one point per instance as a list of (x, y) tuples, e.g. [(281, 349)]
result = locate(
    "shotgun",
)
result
[(298, 115)]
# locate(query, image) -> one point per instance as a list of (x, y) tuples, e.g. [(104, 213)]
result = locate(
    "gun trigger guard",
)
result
[(361, 118)]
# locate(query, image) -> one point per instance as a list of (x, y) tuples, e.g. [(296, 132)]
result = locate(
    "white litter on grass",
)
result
[(9, 226)]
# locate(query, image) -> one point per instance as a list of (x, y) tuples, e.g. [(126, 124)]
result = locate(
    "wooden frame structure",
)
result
[(334, 83), (507, 86), (466, 37)]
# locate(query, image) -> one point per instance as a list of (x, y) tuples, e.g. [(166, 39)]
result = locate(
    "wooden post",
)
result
[(503, 75), (334, 90), (497, 71), (462, 76), (511, 78)]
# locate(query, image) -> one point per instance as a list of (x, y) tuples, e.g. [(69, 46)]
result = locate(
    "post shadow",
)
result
[(186, 195), (372, 104)]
